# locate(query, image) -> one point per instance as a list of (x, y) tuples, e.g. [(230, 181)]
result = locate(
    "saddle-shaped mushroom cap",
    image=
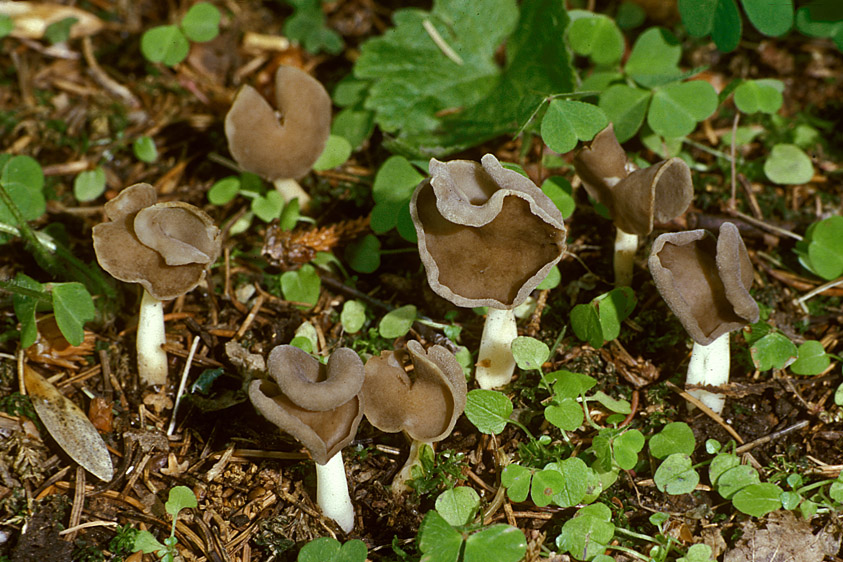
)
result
[(425, 402), (705, 281), (487, 235), (166, 247), (660, 192), (288, 148), (320, 405)]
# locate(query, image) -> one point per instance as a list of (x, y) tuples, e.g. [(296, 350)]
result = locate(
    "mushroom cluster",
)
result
[(166, 248), (284, 150), (635, 200), (705, 282), (321, 406), (487, 237)]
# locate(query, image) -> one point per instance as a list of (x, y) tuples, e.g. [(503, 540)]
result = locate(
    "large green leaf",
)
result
[(415, 79), (676, 108), (626, 108)]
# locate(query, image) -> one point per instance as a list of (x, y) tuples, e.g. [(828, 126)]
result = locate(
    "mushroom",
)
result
[(320, 405), (421, 394), (660, 192), (487, 237), (281, 151), (705, 282), (166, 247)]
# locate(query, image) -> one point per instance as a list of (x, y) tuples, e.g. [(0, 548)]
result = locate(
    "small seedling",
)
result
[(180, 497), (169, 43), (302, 285)]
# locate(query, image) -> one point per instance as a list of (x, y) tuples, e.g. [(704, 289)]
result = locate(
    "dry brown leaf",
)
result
[(784, 539), (69, 426), (31, 19)]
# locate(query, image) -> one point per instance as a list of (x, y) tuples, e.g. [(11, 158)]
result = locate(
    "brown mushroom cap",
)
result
[(425, 403), (334, 390), (487, 235), (704, 281), (276, 150), (166, 247), (660, 192)]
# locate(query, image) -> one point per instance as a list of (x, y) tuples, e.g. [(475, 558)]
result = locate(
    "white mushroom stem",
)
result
[(495, 363), (709, 365), (399, 483), (626, 245), (152, 359), (332, 492), (291, 189)]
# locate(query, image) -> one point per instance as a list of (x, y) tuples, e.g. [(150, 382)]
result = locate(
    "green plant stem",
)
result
[(635, 535), (522, 427), (14, 288), (39, 252), (45, 239), (801, 491), (629, 551)]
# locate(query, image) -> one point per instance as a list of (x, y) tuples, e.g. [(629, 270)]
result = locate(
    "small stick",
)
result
[(182, 383), (78, 501), (250, 317), (733, 205), (633, 407), (767, 438)]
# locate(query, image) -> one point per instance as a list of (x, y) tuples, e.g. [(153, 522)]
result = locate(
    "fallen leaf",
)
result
[(69, 426), (784, 539)]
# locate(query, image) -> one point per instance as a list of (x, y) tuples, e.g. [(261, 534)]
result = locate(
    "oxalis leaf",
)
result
[(69, 426), (488, 410), (425, 66)]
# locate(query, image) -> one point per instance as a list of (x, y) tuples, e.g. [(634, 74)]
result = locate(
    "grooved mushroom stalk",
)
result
[(495, 363)]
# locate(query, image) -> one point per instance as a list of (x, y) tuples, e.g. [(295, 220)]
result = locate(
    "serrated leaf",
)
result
[(416, 81), (69, 426), (677, 108), (307, 26)]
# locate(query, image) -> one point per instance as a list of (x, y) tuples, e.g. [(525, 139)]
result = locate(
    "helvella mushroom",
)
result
[(705, 282), (487, 237)]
